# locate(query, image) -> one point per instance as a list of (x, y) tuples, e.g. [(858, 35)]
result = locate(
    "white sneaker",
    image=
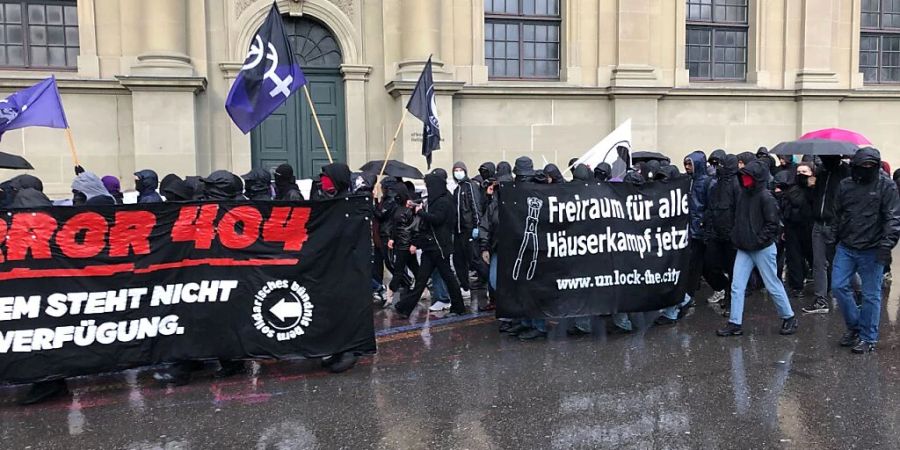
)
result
[(439, 306), (717, 297)]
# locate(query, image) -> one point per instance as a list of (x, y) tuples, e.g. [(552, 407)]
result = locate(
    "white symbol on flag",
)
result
[(282, 85)]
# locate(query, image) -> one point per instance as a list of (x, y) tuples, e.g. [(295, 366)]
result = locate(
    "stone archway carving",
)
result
[(251, 17)]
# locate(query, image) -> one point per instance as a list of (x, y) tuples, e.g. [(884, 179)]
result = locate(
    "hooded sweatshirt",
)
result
[(756, 223), (257, 184), (486, 171), (88, 184), (175, 189), (339, 176), (17, 184), (582, 173), (553, 174), (467, 200), (867, 207), (667, 173), (504, 172), (828, 181), (146, 182), (223, 185), (286, 184), (699, 193), (746, 158), (723, 198), (436, 217), (114, 187), (403, 219), (602, 172)]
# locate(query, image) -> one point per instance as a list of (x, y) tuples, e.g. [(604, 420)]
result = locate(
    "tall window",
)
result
[(879, 45), (521, 39), (717, 40), (38, 34)]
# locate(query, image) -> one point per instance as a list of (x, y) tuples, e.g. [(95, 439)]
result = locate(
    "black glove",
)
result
[(79, 170), (883, 256)]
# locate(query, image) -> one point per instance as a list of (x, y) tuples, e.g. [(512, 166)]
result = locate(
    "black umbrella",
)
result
[(394, 168), (820, 147), (16, 162), (637, 157)]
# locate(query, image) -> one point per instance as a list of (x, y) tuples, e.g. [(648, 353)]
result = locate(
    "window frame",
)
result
[(520, 19), (880, 33), (714, 26), (26, 37)]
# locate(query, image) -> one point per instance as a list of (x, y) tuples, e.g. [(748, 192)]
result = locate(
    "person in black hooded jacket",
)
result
[(487, 238), (867, 227), (602, 172), (145, 182), (286, 184), (174, 189), (434, 239), (825, 189), (467, 201), (258, 184), (403, 225), (720, 252), (797, 217), (223, 185), (582, 173), (334, 182), (755, 230)]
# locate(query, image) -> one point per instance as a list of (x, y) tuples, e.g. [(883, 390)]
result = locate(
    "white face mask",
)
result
[(459, 175)]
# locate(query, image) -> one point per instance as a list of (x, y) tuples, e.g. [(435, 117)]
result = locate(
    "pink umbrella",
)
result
[(837, 134)]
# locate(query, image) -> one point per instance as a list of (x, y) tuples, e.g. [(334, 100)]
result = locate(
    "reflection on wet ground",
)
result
[(458, 383)]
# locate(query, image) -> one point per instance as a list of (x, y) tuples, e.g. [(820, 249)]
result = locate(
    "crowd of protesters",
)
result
[(823, 219)]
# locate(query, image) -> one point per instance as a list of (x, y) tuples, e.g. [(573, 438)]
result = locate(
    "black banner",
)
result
[(87, 290), (578, 249)]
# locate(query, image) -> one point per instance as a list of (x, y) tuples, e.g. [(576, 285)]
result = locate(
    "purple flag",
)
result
[(269, 76), (37, 106)]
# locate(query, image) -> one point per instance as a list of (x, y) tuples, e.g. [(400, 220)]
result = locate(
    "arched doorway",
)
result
[(289, 135)]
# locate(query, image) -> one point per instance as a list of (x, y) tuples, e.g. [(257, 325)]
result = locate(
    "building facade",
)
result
[(144, 82)]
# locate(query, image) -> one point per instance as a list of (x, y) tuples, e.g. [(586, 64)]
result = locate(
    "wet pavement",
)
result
[(451, 383)]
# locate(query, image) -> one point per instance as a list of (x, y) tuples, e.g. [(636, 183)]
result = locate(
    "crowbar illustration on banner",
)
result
[(531, 224)]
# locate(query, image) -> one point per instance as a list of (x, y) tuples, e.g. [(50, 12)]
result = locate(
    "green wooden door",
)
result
[(289, 135)]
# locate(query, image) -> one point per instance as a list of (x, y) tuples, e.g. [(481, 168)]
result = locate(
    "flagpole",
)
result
[(394, 141), (72, 146), (318, 126)]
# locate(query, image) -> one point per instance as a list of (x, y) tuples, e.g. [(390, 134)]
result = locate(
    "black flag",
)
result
[(422, 105)]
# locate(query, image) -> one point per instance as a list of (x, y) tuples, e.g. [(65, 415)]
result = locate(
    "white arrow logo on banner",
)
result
[(283, 309)]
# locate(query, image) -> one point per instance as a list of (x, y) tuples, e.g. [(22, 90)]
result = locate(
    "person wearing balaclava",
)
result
[(487, 239), (10, 188), (695, 166), (145, 182), (756, 226), (602, 172), (174, 189), (797, 217), (384, 212), (402, 229), (27, 191), (91, 188), (867, 226), (467, 203), (334, 182), (553, 174), (745, 158), (286, 184), (258, 185), (114, 187), (439, 293), (763, 155), (434, 239), (825, 185)]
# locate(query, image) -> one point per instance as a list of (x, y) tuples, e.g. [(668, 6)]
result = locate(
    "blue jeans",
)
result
[(672, 311), (492, 278), (766, 261), (439, 291), (847, 262), (538, 324)]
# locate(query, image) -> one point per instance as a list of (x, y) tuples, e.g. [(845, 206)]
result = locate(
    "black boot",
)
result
[(43, 391), (342, 362), (229, 368)]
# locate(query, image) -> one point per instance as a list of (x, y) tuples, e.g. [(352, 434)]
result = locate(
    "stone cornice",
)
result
[(66, 85), (398, 88), (170, 84)]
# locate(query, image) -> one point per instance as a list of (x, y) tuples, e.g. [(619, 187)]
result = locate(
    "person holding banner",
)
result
[(695, 166), (756, 227)]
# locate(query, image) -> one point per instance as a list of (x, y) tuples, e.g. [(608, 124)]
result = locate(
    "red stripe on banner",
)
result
[(107, 270), (218, 262)]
